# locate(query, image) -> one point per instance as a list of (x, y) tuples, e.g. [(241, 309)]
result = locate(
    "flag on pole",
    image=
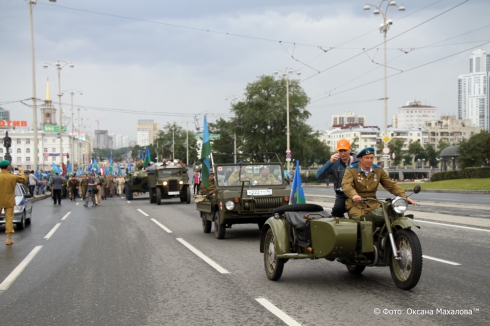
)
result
[(69, 168), (55, 168), (147, 157), (38, 173), (205, 153), (63, 168), (297, 195), (91, 166), (96, 165), (111, 167)]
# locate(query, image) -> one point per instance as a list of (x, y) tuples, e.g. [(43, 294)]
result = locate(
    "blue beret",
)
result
[(366, 151)]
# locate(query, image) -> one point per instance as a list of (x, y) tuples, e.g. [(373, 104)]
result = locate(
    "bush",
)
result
[(468, 173)]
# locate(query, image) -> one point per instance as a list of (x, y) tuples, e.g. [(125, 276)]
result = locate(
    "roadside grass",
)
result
[(456, 184)]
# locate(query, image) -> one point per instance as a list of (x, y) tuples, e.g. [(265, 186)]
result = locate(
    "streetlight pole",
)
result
[(234, 98), (286, 74), (31, 4), (72, 143), (384, 29), (59, 65)]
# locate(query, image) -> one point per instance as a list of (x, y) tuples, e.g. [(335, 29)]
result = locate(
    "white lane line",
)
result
[(278, 312), (161, 225), (53, 230), (203, 257), (139, 210), (16, 272), (129, 202), (454, 226), (66, 215), (441, 260), (76, 203)]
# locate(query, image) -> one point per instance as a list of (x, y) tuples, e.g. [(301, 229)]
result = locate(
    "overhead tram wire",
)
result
[(394, 37), (401, 55), (407, 70)]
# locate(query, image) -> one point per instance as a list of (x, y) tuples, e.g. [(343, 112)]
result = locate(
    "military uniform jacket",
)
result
[(73, 183), (270, 180), (84, 183), (234, 179), (356, 182), (7, 188)]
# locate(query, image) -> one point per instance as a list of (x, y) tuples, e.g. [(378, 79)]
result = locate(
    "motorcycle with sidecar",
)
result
[(383, 237)]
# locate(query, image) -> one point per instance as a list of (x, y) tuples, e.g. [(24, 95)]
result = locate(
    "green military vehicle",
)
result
[(135, 182), (169, 181), (245, 193)]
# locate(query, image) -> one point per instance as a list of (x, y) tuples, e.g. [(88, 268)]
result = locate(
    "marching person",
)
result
[(8, 183), (83, 186), (56, 187), (361, 180), (196, 178), (33, 182), (120, 185), (99, 180), (336, 167), (91, 189), (73, 184)]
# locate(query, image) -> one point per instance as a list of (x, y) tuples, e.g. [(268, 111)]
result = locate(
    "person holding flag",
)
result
[(297, 195)]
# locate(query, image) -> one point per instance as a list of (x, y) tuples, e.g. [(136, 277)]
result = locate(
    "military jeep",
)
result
[(168, 181), (135, 182), (244, 193)]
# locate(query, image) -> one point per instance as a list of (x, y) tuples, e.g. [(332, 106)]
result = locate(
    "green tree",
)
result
[(472, 152), (417, 150), (395, 145), (224, 144), (441, 145), (173, 134), (432, 155), (260, 119)]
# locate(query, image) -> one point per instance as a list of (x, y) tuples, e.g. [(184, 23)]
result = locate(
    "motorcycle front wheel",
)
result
[(273, 265), (407, 270)]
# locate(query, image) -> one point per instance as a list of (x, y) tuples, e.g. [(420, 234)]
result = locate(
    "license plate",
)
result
[(259, 192), (174, 192)]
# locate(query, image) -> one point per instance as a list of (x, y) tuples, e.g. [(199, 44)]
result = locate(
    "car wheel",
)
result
[(298, 208), (206, 224), (188, 196), (22, 224), (261, 225), (129, 193), (152, 196), (355, 269), (28, 221), (273, 265), (158, 198), (219, 229)]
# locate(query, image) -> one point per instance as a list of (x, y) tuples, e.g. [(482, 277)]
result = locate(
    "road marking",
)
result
[(203, 257), (129, 202), (16, 272), (441, 260), (76, 203), (139, 210), (53, 230), (66, 215), (278, 312), (161, 225), (455, 226)]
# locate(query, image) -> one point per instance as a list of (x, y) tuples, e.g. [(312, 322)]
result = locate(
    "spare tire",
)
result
[(298, 208)]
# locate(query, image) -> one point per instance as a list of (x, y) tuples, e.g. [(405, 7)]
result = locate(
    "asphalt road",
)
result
[(117, 264)]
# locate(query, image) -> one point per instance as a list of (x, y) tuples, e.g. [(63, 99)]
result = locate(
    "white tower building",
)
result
[(474, 91)]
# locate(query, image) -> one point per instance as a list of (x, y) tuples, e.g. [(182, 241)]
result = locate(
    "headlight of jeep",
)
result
[(181, 182), (164, 183), (229, 205), (399, 205)]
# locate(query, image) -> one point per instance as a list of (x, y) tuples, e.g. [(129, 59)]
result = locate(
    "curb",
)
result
[(38, 198)]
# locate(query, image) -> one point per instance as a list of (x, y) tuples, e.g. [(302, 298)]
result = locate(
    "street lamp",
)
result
[(72, 93), (385, 26), (60, 64), (287, 71)]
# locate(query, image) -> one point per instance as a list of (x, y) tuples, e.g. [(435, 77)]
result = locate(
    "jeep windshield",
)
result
[(166, 172), (255, 175)]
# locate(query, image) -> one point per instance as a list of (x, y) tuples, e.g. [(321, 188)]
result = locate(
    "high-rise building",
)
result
[(348, 118), (474, 91), (147, 131), (414, 115), (4, 114), (101, 139)]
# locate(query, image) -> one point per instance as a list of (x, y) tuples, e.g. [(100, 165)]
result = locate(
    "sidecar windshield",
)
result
[(255, 175)]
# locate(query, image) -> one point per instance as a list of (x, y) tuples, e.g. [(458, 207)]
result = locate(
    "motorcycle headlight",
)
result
[(399, 205), (229, 205)]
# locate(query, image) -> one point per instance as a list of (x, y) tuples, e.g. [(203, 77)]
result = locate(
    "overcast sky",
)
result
[(183, 58)]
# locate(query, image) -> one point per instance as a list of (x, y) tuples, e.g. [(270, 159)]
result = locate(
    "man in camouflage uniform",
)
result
[(265, 178), (361, 180), (73, 185), (83, 186)]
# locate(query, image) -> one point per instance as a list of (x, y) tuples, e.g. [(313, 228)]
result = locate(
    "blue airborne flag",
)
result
[(297, 195)]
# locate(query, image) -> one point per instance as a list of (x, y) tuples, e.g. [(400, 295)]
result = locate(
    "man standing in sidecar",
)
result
[(336, 166), (361, 180)]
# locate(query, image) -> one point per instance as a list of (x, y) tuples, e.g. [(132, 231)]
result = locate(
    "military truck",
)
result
[(169, 181), (135, 182), (245, 193)]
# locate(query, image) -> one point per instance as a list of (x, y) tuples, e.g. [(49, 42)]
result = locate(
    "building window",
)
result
[(28, 150), (28, 141), (54, 140), (19, 158), (28, 159), (45, 150), (54, 150), (1, 150), (46, 158), (28, 167), (19, 150), (18, 141)]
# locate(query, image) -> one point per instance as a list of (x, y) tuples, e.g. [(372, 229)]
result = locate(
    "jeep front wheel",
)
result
[(158, 195), (219, 229)]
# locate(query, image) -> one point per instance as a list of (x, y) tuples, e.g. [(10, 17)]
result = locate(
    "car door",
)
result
[(27, 201)]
